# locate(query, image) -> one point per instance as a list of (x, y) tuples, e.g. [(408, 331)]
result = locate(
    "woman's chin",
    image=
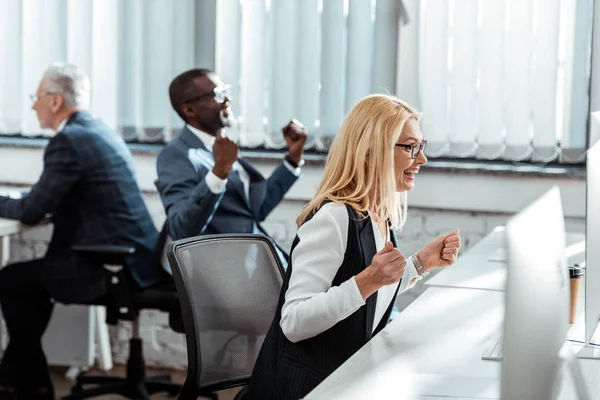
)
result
[(405, 186)]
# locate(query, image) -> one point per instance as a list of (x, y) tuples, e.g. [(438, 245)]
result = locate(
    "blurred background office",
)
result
[(505, 86)]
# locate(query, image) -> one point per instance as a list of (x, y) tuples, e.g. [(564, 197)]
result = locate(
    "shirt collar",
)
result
[(205, 138), (61, 126)]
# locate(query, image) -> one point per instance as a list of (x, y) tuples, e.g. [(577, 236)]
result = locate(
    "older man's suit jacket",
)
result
[(192, 209), (88, 185)]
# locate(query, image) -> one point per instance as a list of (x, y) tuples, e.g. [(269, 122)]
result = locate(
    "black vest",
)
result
[(286, 370)]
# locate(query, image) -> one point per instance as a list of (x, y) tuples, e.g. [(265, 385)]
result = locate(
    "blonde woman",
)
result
[(346, 269)]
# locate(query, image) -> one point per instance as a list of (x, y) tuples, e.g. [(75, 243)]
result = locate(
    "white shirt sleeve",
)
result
[(312, 305), (410, 276), (293, 170), (214, 183)]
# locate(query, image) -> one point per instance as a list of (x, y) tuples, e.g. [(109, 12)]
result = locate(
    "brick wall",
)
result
[(165, 348)]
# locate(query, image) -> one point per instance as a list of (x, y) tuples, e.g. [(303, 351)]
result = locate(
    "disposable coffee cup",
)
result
[(575, 275)]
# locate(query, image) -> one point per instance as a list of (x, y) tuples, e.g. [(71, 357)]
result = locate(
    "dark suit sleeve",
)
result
[(61, 171), (189, 203), (280, 181)]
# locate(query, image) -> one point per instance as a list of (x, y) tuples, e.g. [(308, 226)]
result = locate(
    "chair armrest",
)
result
[(103, 253)]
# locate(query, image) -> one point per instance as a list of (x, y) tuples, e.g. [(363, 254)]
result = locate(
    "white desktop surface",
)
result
[(9, 227), (475, 270), (443, 334)]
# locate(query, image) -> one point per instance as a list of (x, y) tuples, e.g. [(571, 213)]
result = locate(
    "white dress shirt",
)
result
[(216, 184), (312, 305), (62, 125)]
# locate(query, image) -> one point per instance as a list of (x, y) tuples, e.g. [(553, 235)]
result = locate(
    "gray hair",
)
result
[(71, 82)]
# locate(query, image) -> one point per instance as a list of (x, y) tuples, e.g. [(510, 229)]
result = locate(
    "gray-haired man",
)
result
[(89, 187)]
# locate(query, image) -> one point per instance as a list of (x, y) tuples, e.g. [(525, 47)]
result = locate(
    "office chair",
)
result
[(122, 303), (229, 286)]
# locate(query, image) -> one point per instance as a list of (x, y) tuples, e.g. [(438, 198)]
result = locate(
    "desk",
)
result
[(444, 332), (7, 227), (475, 270)]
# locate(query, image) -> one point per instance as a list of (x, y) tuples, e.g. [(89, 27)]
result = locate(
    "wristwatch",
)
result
[(299, 164), (419, 267)]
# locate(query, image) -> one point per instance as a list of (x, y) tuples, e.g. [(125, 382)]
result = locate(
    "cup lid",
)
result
[(575, 271)]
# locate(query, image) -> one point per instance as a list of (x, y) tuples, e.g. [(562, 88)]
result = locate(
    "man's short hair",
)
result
[(71, 82), (181, 88)]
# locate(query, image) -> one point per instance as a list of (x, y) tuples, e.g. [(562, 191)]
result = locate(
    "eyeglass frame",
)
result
[(419, 146), (35, 98), (219, 93)]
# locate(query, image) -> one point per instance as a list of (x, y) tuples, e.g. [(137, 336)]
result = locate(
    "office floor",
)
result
[(62, 385)]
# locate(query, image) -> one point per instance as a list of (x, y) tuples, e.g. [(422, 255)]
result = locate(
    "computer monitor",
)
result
[(537, 300), (592, 239)]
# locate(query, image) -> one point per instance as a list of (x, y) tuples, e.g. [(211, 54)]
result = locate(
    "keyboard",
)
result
[(493, 350)]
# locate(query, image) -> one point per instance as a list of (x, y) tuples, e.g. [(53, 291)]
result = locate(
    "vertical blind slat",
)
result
[(545, 74), (464, 78), (12, 98), (181, 54), (333, 60), (41, 20), (434, 73), (79, 33), (576, 105), (385, 46), (252, 68), (360, 58), (308, 35), (156, 76), (105, 63), (228, 50), (282, 69), (491, 110), (407, 72), (518, 68)]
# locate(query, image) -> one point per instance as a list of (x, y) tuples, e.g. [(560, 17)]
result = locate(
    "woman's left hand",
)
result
[(441, 251)]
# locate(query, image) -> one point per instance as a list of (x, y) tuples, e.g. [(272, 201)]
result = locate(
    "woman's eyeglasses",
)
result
[(220, 93), (415, 148)]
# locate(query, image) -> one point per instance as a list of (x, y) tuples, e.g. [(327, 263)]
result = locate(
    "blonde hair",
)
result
[(370, 131)]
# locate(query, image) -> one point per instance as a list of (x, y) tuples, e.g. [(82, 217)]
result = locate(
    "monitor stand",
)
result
[(567, 354), (591, 351)]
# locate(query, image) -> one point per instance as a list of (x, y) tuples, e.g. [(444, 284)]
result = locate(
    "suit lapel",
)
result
[(191, 140), (368, 249), (253, 172)]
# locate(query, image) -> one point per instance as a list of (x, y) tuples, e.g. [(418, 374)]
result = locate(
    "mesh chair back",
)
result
[(228, 286)]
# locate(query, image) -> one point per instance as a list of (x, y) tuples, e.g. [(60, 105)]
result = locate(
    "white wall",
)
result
[(475, 203)]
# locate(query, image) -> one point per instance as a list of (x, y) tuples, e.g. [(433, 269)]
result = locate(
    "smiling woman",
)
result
[(346, 269)]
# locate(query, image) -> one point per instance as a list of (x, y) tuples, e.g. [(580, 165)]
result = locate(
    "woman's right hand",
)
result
[(386, 268)]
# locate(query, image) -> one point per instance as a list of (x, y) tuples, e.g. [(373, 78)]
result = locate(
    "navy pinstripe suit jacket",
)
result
[(88, 185)]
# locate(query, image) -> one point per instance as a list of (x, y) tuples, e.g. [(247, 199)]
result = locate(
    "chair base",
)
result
[(122, 386), (134, 385)]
